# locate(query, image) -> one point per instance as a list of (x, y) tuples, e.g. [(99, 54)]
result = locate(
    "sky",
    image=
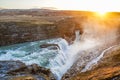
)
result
[(88, 5)]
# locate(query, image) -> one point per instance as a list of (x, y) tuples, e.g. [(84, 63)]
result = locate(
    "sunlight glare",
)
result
[(100, 6), (102, 13)]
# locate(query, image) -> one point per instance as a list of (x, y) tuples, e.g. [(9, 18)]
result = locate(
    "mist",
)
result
[(103, 30)]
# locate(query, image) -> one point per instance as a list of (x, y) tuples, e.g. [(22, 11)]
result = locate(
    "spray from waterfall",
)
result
[(105, 33), (66, 57)]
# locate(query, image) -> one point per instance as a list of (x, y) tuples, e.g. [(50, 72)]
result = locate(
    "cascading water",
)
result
[(30, 53), (59, 60), (77, 34), (64, 60), (67, 56)]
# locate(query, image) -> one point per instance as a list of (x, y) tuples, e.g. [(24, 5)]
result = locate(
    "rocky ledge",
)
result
[(107, 69), (16, 70)]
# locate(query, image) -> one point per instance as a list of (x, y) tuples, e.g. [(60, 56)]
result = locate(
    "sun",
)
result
[(102, 13)]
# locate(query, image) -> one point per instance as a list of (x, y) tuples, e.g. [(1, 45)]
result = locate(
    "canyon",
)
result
[(77, 45)]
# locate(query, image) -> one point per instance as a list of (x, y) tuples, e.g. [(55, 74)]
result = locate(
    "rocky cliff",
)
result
[(18, 26), (15, 31), (107, 69)]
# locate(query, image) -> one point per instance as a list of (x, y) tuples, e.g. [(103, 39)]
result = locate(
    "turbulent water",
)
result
[(59, 60)]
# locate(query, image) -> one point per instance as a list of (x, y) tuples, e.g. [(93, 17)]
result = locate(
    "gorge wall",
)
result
[(12, 32), (18, 26)]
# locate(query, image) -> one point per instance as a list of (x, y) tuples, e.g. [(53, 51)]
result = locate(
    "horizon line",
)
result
[(52, 9)]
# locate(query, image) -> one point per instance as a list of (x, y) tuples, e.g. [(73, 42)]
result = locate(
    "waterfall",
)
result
[(58, 61), (67, 54), (77, 36), (65, 58)]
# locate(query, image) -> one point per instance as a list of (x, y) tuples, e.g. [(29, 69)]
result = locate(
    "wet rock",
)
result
[(34, 68), (50, 46), (16, 70), (24, 78), (7, 66)]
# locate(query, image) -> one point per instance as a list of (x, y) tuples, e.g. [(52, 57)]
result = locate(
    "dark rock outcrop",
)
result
[(50, 46), (6, 66), (16, 70)]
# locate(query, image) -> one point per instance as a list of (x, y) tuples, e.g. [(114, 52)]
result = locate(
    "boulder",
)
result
[(7, 66), (50, 46), (16, 70), (29, 77)]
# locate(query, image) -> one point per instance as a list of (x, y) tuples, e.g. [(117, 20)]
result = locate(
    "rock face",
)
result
[(67, 28), (16, 70), (107, 69), (19, 32)]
